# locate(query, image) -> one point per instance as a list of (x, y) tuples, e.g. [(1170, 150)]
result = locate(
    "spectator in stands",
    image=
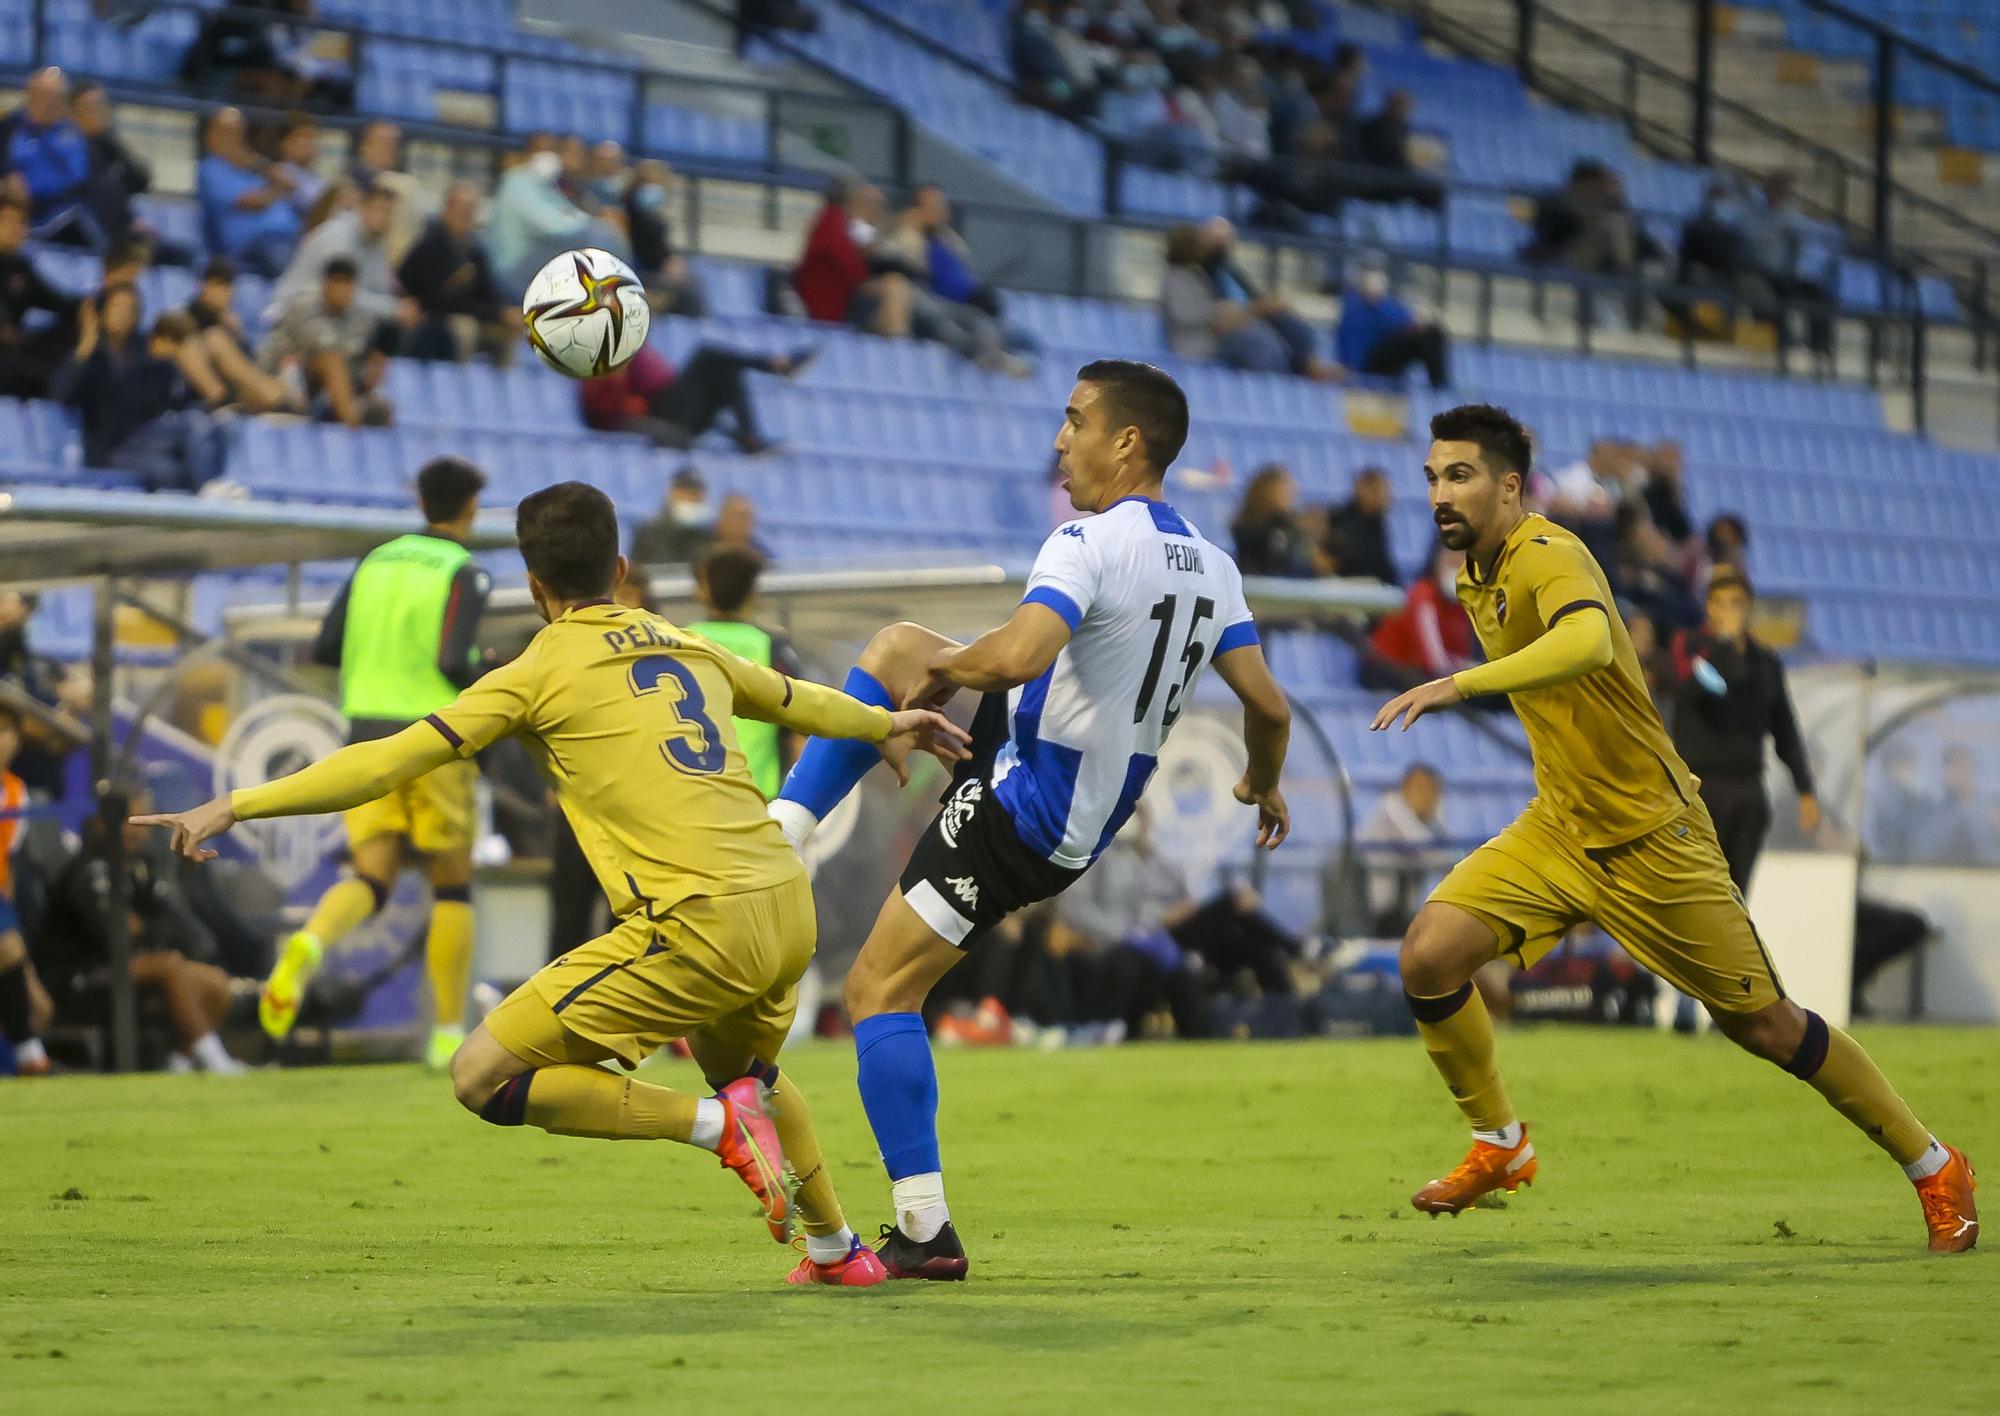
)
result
[(48, 155), (672, 286), (138, 410), (833, 280), (377, 161), (903, 248), (221, 347), (683, 529), (1242, 114), (773, 17), (29, 352), (449, 276), (1043, 75), (1728, 541), (1381, 336), (1793, 254), (1211, 311), (647, 396), (1962, 830), (736, 527), (1644, 633), (1585, 495), (1587, 225), (1357, 531), (534, 222), (340, 350), (948, 259), (1711, 254), (1729, 695), (72, 950), (117, 174), (1405, 846), (1270, 540), (1382, 142), (360, 237), (1662, 487), (246, 203), (1898, 809), (298, 160), (1649, 572), (1428, 638)]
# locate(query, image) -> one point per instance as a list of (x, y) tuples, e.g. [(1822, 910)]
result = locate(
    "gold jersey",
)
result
[(1605, 767)]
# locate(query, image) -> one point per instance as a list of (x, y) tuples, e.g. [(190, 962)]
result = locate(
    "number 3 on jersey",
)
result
[(690, 711)]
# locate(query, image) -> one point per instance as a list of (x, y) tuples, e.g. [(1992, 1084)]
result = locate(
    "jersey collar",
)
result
[(1164, 516), (1521, 532)]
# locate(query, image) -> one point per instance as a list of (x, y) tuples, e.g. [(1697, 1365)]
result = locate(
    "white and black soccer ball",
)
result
[(586, 313)]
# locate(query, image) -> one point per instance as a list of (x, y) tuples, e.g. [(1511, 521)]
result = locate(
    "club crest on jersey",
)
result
[(959, 810), (1500, 606)]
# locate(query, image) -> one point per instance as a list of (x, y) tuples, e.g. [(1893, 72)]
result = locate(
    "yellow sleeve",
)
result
[(1560, 576), (799, 704), (1573, 646), (359, 772), (500, 703)]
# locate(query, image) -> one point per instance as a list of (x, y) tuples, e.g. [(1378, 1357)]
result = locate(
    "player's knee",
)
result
[(1772, 1033), (893, 646), (478, 1085), (1423, 961), (861, 992)]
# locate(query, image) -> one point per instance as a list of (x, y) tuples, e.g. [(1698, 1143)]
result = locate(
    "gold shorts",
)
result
[(725, 966), (434, 812), (1666, 898)]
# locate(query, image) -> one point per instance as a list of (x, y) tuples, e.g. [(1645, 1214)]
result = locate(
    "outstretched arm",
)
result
[(803, 706), (357, 773), (1267, 732), (1575, 645)]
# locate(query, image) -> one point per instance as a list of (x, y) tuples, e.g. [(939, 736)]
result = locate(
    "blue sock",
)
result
[(899, 1091), (829, 768)]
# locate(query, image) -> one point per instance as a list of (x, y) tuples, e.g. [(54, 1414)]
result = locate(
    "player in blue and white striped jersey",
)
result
[(1123, 612)]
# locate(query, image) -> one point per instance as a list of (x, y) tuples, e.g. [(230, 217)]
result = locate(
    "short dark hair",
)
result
[(569, 539), (124, 253), (1500, 437), (730, 573), (340, 268), (11, 200), (219, 268), (1416, 769), (1144, 397), (177, 325), (1729, 577), (445, 486)]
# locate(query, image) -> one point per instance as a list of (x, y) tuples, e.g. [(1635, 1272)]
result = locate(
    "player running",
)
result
[(629, 717), (1616, 834), (1123, 611), (402, 632)]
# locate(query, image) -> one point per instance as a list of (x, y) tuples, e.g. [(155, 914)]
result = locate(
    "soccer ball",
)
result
[(586, 313)]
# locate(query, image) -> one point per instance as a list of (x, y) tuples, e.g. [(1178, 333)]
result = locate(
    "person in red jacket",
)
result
[(833, 279), (1430, 637), (647, 396)]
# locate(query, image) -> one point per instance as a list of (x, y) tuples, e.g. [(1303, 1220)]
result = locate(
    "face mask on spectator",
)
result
[(701, 513), (1374, 284), (1076, 19), (1035, 22), (545, 165), (652, 196), (607, 190), (863, 232)]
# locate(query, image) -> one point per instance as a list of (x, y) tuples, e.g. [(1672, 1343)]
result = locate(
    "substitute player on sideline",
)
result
[(1123, 612), (629, 717), (1616, 834), (402, 632)]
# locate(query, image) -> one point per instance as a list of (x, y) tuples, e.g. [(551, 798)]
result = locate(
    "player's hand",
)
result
[(1809, 815), (1274, 818), (1424, 698), (921, 730), (193, 826)]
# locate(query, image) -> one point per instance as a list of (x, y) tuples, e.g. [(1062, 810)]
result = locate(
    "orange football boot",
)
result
[(1948, 1208), (750, 1147), (1486, 1168)]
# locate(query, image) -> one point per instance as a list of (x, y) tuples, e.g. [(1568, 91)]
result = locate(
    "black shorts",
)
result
[(970, 870)]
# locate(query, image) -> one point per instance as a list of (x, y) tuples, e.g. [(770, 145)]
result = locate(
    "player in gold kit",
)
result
[(1615, 834), (629, 717)]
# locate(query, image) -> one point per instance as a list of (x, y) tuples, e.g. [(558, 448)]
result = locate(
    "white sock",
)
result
[(920, 1208), (30, 1053), (1934, 1159), (211, 1055), (795, 819), (709, 1115), (830, 1248), (1507, 1137), (179, 1064)]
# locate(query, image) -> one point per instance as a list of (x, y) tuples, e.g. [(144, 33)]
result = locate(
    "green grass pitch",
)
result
[(1159, 1229)]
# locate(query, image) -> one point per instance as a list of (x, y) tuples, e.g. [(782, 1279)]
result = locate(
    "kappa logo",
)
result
[(1075, 528), (959, 810), (966, 888)]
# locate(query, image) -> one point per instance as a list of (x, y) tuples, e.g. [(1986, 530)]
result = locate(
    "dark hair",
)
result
[(730, 575), (219, 268), (124, 253), (10, 717), (1425, 768), (1729, 577), (569, 539), (11, 200), (1502, 440), (445, 485), (177, 325), (1141, 396), (1730, 520), (340, 268)]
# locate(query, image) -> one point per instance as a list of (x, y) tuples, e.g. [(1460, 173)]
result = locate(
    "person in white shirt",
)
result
[(1403, 844), (1123, 611)]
